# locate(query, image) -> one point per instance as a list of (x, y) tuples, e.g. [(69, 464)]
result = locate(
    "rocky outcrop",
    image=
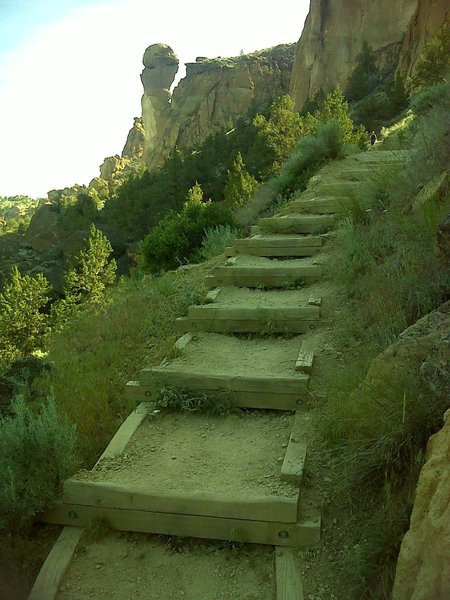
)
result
[(423, 569), (335, 31), (42, 233), (213, 93), (134, 146), (428, 17)]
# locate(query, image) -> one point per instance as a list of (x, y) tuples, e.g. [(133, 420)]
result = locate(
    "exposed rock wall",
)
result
[(214, 92), (429, 16), (335, 30), (423, 569)]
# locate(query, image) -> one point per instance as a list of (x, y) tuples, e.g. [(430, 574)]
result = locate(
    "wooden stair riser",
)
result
[(281, 277), (258, 313), (277, 325), (277, 509), (302, 534), (273, 251), (322, 206), (296, 224)]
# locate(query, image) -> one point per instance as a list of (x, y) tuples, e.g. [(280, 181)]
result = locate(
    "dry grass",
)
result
[(99, 352)]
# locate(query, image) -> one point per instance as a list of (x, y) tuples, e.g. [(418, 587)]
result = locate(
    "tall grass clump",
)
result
[(216, 239), (308, 156), (37, 452)]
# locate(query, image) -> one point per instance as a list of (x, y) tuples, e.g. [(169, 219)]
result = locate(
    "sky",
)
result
[(70, 73)]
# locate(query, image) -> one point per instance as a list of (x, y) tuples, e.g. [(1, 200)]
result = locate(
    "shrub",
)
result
[(177, 238), (37, 452), (433, 64), (310, 153), (174, 400), (216, 239), (23, 321)]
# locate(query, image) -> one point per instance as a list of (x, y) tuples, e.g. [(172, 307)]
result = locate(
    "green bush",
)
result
[(216, 239), (309, 154), (37, 452), (23, 320), (178, 237)]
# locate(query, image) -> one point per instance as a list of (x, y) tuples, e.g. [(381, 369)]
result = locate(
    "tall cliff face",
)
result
[(335, 30), (213, 93), (428, 17)]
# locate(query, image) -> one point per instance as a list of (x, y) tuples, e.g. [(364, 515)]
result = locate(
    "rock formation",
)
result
[(335, 30), (134, 146), (423, 569), (428, 17), (213, 93)]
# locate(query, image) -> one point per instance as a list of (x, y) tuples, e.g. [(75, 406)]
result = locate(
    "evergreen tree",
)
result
[(240, 185), (365, 76), (280, 131), (86, 282), (23, 322), (335, 107)]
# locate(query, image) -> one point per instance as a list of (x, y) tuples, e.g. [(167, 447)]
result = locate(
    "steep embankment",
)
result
[(335, 31)]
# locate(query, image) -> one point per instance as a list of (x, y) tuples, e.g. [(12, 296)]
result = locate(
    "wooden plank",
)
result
[(283, 251), (315, 301), (303, 534), (278, 270), (125, 432), (211, 296), (287, 240), (182, 342), (253, 313), (181, 324), (297, 223), (227, 381), (304, 362), (295, 457), (52, 572), (276, 325), (288, 577), (269, 401), (113, 495)]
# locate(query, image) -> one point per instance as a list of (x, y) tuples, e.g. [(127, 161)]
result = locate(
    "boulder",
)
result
[(423, 569), (43, 232)]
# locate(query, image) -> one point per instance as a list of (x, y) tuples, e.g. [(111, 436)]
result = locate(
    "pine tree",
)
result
[(86, 282), (365, 76), (280, 131), (23, 322), (336, 107), (240, 185)]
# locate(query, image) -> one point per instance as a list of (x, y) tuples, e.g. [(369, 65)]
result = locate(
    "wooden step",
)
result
[(280, 274), (253, 373), (338, 188), (288, 576), (275, 393), (276, 245), (297, 223), (319, 205), (252, 319), (301, 534)]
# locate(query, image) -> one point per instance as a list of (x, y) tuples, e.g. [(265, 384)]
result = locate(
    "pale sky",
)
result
[(69, 73)]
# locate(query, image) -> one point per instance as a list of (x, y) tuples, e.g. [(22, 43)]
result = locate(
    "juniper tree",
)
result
[(24, 323), (240, 185), (85, 283)]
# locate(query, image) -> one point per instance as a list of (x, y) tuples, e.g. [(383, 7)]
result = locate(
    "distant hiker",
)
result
[(373, 138)]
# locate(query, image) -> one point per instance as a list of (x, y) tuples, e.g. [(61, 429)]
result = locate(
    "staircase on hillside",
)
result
[(251, 342)]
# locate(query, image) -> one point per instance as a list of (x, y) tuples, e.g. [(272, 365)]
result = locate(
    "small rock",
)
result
[(174, 458)]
